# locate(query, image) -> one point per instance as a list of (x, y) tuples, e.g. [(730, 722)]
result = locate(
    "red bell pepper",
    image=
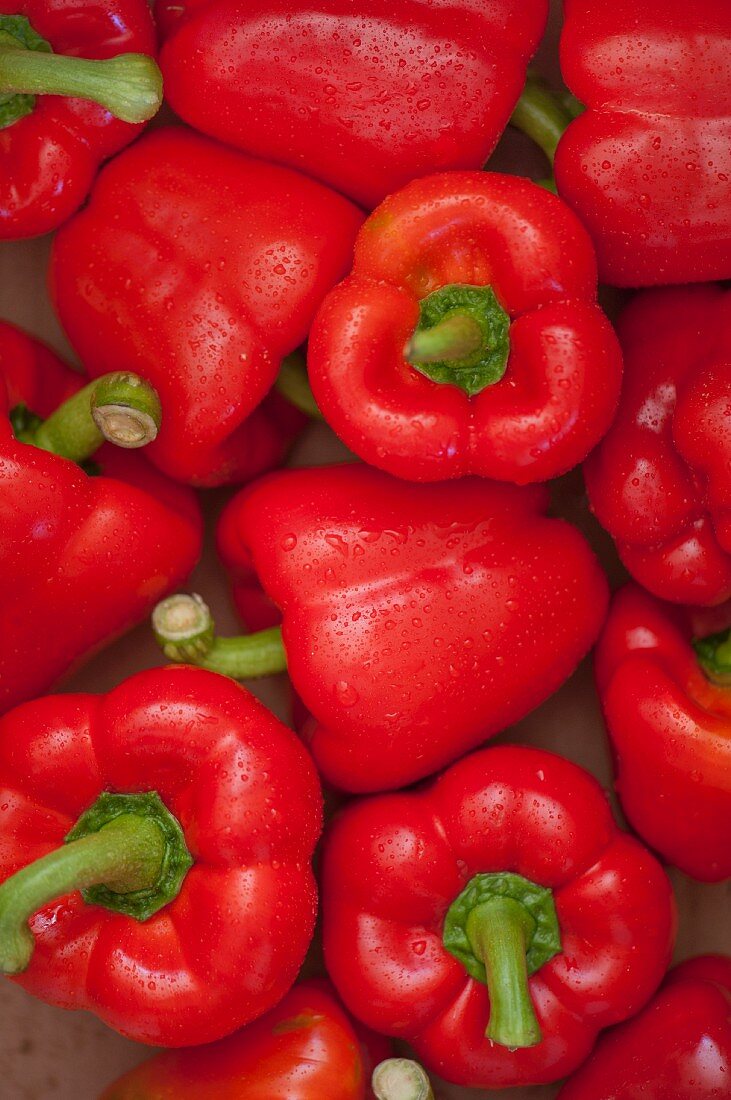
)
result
[(647, 166), (417, 620), (306, 1048), (502, 896), (200, 269), (468, 338), (69, 98), (83, 558), (678, 1048), (668, 712), (158, 840), (364, 98), (659, 482)]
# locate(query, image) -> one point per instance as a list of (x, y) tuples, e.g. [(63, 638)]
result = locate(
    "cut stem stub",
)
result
[(401, 1079), (185, 631), (120, 408)]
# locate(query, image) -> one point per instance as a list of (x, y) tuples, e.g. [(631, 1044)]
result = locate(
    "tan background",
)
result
[(47, 1053)]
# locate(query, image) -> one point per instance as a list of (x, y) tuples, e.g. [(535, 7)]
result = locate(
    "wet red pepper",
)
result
[(468, 338), (51, 145), (83, 558), (363, 98), (200, 269), (186, 815), (501, 897), (648, 165), (307, 1048), (677, 1048), (668, 712), (417, 620), (660, 482)]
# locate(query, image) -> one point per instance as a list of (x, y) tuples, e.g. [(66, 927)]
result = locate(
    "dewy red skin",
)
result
[(363, 98), (84, 555), (200, 269)]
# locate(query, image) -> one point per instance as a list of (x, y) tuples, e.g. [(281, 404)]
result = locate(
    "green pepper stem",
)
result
[(292, 382), (126, 855), (714, 657), (119, 407), (541, 116), (129, 86), (499, 931), (401, 1079), (456, 337), (185, 631)]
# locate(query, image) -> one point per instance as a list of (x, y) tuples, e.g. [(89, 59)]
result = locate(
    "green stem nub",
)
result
[(542, 115), (129, 86), (456, 336), (127, 853), (462, 338), (714, 656), (185, 631), (499, 932), (503, 928), (126, 409), (292, 382), (120, 408), (401, 1079)]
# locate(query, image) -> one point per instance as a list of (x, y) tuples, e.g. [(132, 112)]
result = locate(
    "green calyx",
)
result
[(129, 86), (17, 33), (185, 631), (462, 338), (714, 656), (127, 853), (503, 928), (174, 862)]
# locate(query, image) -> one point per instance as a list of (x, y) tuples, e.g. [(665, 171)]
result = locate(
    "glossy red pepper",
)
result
[(678, 1048), (647, 166), (659, 482), (363, 98), (417, 620), (502, 896), (198, 900), (52, 144), (83, 558), (306, 1048), (468, 338), (200, 269), (668, 712)]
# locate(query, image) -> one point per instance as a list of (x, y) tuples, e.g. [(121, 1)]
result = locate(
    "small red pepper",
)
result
[(668, 712), (200, 269), (83, 558), (660, 482), (417, 620), (678, 1048), (502, 896), (468, 338), (186, 815), (69, 98), (363, 98), (306, 1048), (647, 166)]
